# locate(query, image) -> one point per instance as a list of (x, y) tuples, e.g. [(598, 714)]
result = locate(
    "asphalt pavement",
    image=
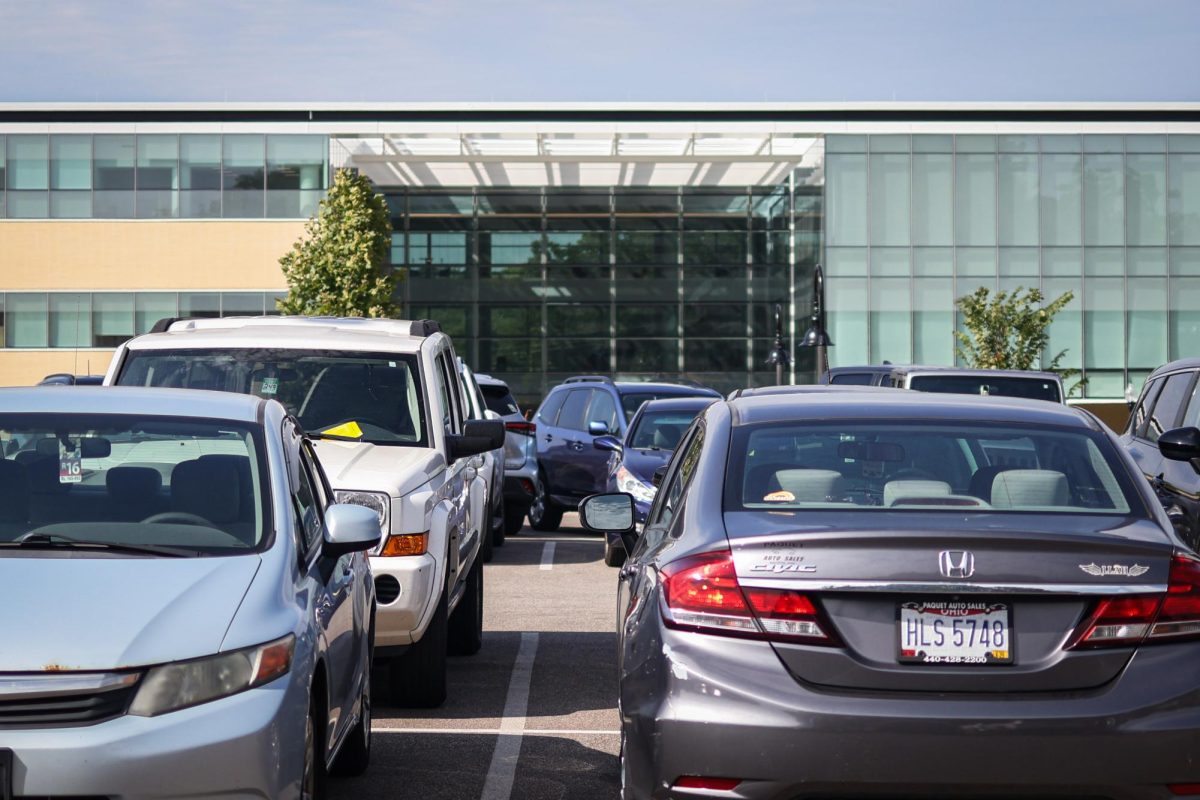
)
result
[(532, 716)]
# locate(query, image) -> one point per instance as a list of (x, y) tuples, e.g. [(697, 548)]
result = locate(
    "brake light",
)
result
[(526, 428), (1148, 618), (710, 784), (702, 593)]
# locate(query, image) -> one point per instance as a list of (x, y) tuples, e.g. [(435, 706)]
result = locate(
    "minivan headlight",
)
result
[(378, 502), (172, 687)]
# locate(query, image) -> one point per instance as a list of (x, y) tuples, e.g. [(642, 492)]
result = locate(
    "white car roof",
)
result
[(308, 333)]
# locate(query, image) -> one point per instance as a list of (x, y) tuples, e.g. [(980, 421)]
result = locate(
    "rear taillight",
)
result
[(702, 593), (1148, 618), (526, 428), (707, 784)]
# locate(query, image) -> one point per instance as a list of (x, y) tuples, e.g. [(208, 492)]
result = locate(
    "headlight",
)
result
[(378, 502), (172, 687), (628, 482)]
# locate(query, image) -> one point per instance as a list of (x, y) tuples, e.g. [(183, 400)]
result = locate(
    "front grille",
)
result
[(387, 589), (85, 707)]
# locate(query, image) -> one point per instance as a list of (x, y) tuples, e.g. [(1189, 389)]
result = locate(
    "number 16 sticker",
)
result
[(70, 464)]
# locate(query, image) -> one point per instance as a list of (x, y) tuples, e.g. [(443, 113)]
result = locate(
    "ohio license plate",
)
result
[(954, 632)]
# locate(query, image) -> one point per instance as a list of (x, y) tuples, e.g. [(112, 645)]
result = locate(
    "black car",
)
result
[(68, 379), (1166, 416), (573, 414), (654, 433)]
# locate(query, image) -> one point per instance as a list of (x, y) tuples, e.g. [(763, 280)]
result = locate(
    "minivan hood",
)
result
[(95, 613), (362, 466)]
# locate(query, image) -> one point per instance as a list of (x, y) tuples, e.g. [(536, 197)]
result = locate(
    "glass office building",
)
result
[(636, 241)]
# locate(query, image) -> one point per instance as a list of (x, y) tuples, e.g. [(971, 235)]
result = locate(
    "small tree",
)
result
[(339, 268), (1009, 330)]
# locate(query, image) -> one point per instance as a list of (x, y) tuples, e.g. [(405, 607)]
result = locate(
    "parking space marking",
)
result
[(498, 731), (503, 768), (548, 556)]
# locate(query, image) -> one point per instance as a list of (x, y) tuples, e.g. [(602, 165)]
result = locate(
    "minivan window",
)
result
[(997, 385), (1165, 415), (574, 410), (374, 397)]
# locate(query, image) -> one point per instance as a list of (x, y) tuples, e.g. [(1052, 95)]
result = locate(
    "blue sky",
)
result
[(579, 50)]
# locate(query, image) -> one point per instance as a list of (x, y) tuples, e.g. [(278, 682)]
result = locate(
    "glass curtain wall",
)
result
[(915, 222)]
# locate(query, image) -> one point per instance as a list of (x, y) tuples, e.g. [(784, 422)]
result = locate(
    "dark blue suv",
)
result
[(573, 414)]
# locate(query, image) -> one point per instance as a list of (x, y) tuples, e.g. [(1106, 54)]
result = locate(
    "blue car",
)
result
[(652, 436)]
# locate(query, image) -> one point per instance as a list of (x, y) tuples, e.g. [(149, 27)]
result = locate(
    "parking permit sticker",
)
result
[(349, 429), (270, 385), (70, 464), (782, 496)]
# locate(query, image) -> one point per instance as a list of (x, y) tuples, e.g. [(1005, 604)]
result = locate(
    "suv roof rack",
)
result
[(589, 379), (403, 327)]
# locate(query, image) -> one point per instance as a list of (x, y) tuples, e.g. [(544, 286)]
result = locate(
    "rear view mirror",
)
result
[(1181, 444), (871, 451), (597, 428), (95, 447), (606, 442), (349, 528), (607, 513)]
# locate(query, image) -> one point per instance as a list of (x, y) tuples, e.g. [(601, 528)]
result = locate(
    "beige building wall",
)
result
[(132, 255)]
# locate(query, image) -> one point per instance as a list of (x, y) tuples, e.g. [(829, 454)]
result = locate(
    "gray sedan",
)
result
[(846, 594), (190, 615)]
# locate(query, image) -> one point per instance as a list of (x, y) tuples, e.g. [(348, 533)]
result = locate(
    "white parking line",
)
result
[(548, 556), (498, 731), (503, 768)]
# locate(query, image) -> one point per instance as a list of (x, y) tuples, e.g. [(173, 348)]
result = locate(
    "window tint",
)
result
[(660, 430), (603, 409), (677, 482), (443, 391), (1003, 386), (852, 379), (306, 506), (548, 413), (500, 400), (1170, 403), (574, 410), (1141, 415), (1191, 417)]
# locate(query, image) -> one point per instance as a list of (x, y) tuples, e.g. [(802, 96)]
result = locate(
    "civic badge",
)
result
[(956, 563)]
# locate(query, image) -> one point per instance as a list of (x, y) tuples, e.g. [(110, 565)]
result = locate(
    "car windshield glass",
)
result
[(1003, 386), (184, 486), (371, 397), (954, 468), (500, 400), (660, 430)]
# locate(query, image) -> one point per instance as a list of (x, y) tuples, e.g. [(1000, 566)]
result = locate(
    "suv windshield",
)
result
[(999, 385), (660, 430), (373, 397), (184, 485), (926, 466)]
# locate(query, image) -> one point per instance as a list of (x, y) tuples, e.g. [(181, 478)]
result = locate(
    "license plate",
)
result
[(954, 632), (6, 776)]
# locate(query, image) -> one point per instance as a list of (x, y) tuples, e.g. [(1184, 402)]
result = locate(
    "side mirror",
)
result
[(598, 428), (607, 513), (479, 436), (609, 443), (657, 478), (1181, 444), (349, 528)]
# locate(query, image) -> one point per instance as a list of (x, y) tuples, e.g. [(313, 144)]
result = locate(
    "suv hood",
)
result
[(362, 466), (99, 613)]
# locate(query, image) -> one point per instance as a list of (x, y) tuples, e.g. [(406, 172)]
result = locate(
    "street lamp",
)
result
[(816, 335), (779, 357)]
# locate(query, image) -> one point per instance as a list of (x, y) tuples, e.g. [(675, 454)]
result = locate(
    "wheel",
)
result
[(312, 782), (613, 556), (543, 516), (499, 524), (514, 520), (355, 755), (466, 623), (417, 679)]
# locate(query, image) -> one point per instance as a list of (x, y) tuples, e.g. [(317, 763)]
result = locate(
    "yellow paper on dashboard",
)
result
[(349, 429)]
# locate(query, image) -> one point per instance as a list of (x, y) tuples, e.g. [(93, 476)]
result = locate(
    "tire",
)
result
[(466, 623), (486, 543), (613, 556), (418, 677), (499, 524), (355, 756), (312, 782), (543, 516), (514, 520)]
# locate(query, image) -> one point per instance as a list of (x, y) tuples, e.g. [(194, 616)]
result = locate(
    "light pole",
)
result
[(816, 335), (779, 357)]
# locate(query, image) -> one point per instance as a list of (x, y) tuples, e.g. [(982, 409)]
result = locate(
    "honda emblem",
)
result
[(956, 563)]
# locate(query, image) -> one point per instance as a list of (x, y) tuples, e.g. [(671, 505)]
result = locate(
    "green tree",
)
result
[(340, 267), (1009, 330)]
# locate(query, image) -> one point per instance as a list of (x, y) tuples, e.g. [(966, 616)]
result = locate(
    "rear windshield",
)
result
[(632, 401), (852, 379), (372, 397), (1002, 386), (500, 400), (660, 430), (194, 484), (955, 468)]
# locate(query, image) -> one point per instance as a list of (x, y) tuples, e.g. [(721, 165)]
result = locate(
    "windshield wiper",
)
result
[(336, 437), (42, 539)]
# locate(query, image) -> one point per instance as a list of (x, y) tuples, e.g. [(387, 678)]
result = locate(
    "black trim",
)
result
[(303, 115)]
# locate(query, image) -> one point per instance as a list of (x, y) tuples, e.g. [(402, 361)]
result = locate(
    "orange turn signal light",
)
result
[(406, 544)]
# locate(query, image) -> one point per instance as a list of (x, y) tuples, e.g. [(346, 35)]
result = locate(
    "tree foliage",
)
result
[(1009, 330), (340, 267)]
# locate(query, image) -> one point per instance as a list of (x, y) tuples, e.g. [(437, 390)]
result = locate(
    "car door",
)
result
[(1172, 480), (593, 463), (330, 581), (460, 473), (1180, 484), (564, 443)]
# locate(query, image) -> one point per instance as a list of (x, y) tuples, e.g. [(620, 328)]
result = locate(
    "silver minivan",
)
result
[(192, 614)]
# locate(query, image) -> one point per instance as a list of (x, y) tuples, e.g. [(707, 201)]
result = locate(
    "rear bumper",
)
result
[(723, 707), (398, 623), (518, 491)]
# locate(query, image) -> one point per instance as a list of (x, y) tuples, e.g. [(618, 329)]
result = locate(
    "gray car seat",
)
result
[(14, 499)]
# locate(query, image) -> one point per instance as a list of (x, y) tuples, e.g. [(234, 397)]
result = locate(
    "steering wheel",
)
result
[(181, 517)]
